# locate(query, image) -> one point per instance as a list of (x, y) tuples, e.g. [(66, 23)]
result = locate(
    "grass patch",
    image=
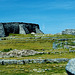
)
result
[(27, 69)]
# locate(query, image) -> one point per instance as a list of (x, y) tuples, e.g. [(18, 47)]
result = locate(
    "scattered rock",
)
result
[(18, 53), (71, 51), (27, 61)]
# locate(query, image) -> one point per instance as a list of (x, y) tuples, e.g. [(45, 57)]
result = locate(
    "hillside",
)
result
[(49, 47)]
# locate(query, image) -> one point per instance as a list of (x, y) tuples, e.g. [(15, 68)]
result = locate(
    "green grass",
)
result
[(29, 69), (24, 44), (41, 45)]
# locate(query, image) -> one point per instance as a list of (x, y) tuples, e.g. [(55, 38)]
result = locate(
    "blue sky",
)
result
[(53, 16)]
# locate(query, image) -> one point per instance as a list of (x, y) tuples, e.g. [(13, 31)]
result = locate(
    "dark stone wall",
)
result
[(11, 28), (14, 27)]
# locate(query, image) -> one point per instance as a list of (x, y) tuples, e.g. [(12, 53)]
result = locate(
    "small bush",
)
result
[(7, 50)]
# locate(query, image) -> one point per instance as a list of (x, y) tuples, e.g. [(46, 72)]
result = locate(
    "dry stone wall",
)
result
[(25, 61)]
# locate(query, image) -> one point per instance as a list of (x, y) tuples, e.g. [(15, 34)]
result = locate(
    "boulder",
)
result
[(70, 67)]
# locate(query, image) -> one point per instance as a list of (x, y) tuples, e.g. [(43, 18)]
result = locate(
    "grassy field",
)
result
[(32, 69), (41, 43)]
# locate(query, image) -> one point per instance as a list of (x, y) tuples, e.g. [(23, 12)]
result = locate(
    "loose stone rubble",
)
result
[(25, 61), (18, 53), (23, 53)]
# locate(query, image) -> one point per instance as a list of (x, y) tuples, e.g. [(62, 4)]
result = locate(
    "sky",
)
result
[(53, 16)]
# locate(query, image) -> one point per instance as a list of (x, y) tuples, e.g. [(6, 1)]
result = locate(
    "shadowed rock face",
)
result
[(18, 28)]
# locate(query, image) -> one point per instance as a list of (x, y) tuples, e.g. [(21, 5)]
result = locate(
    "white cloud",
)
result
[(43, 27)]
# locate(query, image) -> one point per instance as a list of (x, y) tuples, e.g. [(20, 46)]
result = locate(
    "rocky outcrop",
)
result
[(18, 53), (69, 31), (18, 28), (70, 68)]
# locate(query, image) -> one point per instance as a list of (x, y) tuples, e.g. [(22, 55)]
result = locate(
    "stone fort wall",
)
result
[(18, 28), (69, 31)]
